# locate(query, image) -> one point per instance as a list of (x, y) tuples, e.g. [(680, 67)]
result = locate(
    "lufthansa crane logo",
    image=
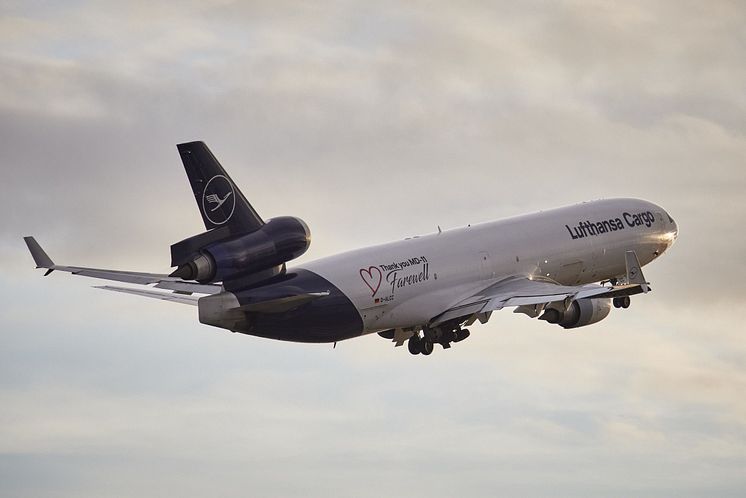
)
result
[(218, 200)]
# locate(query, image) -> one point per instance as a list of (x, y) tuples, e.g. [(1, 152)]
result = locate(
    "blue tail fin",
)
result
[(219, 200)]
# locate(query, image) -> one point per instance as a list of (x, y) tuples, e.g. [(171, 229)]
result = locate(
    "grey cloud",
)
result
[(372, 124)]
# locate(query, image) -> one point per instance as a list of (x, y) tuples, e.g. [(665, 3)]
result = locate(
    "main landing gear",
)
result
[(622, 302), (425, 343)]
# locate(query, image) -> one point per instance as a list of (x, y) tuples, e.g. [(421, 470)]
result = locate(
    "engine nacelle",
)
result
[(579, 314), (276, 242)]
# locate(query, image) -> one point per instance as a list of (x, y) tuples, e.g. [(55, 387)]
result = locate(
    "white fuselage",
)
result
[(406, 283)]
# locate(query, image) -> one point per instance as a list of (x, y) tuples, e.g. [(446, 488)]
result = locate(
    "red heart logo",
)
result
[(372, 278)]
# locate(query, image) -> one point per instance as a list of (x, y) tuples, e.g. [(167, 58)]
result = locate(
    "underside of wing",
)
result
[(520, 291), (174, 297)]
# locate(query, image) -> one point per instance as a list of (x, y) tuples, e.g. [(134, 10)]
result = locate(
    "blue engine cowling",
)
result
[(276, 242)]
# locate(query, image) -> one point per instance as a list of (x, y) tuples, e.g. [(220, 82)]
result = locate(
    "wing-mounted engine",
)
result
[(218, 256), (579, 313)]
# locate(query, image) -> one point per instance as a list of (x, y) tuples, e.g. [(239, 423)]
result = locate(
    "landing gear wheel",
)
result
[(461, 335), (414, 345), (426, 346), (622, 302)]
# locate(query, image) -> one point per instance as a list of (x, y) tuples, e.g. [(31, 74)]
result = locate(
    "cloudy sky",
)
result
[(372, 122)]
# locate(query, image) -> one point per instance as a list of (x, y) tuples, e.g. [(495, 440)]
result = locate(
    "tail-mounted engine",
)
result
[(579, 314), (219, 256), (238, 248)]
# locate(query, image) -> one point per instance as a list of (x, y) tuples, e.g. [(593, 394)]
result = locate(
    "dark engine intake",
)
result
[(206, 260), (580, 313)]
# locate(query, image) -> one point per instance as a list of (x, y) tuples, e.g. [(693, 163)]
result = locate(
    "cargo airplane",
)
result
[(567, 266)]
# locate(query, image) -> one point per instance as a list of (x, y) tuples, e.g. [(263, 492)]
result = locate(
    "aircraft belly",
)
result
[(393, 289), (327, 319), (420, 309)]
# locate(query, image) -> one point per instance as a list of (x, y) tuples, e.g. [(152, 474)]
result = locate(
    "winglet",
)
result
[(634, 271), (41, 258)]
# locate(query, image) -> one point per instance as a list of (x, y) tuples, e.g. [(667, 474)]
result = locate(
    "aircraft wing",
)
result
[(527, 291), (522, 291), (161, 281), (175, 297)]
